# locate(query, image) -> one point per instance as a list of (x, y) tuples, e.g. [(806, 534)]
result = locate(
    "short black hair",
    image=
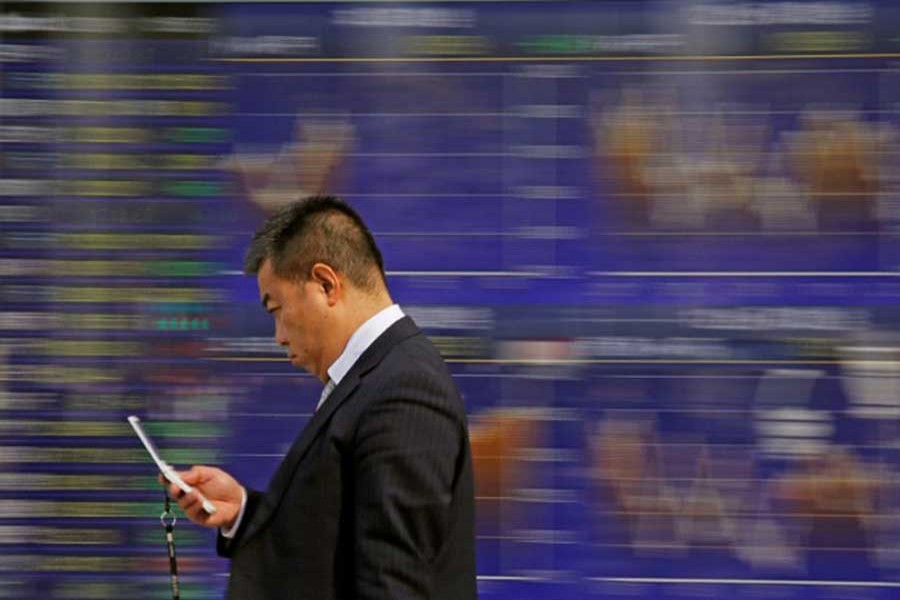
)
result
[(317, 229)]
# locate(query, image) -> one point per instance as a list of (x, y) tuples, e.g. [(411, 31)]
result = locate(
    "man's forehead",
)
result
[(265, 269), (264, 282)]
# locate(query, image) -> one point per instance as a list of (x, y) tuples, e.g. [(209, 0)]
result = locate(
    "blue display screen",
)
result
[(656, 243)]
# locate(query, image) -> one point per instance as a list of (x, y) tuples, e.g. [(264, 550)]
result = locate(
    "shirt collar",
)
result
[(361, 339)]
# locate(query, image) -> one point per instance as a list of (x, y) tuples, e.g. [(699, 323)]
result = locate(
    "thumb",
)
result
[(194, 476)]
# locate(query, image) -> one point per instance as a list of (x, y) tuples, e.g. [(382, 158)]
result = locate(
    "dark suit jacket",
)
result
[(375, 497)]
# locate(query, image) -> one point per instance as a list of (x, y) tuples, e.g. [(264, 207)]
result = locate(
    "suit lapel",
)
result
[(399, 331)]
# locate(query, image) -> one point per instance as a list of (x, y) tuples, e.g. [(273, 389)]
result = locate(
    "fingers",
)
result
[(192, 506), (173, 490), (176, 492), (193, 476), (205, 481), (190, 503), (196, 475)]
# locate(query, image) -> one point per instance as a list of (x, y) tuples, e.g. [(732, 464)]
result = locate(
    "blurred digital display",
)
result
[(656, 241)]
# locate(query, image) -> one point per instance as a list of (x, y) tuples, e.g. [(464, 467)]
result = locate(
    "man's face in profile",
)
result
[(299, 310)]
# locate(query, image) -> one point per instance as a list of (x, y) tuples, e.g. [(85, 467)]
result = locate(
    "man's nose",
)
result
[(280, 337)]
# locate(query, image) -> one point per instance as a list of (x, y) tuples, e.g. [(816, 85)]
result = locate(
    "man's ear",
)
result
[(328, 279)]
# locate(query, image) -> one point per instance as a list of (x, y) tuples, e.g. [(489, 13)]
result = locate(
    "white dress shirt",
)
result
[(358, 343)]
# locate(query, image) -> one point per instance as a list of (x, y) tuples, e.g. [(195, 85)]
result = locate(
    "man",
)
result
[(375, 497)]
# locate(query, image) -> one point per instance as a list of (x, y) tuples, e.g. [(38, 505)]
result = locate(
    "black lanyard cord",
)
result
[(168, 522)]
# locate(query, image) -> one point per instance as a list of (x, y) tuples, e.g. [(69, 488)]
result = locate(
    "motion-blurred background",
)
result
[(655, 240)]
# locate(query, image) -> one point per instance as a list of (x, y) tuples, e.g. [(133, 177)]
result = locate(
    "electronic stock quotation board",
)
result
[(655, 241)]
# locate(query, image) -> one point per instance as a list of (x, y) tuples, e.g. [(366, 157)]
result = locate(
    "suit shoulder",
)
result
[(417, 356), (415, 368)]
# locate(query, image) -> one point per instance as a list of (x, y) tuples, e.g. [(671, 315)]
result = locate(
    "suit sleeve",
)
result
[(225, 546), (406, 459)]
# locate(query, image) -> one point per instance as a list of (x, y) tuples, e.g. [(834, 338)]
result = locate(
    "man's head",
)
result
[(320, 275)]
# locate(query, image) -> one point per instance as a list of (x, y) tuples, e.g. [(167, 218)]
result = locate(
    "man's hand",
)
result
[(219, 487)]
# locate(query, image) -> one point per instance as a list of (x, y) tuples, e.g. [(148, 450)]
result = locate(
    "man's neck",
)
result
[(364, 309), (362, 312)]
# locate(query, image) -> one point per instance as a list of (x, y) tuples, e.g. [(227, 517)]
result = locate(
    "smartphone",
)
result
[(164, 467)]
